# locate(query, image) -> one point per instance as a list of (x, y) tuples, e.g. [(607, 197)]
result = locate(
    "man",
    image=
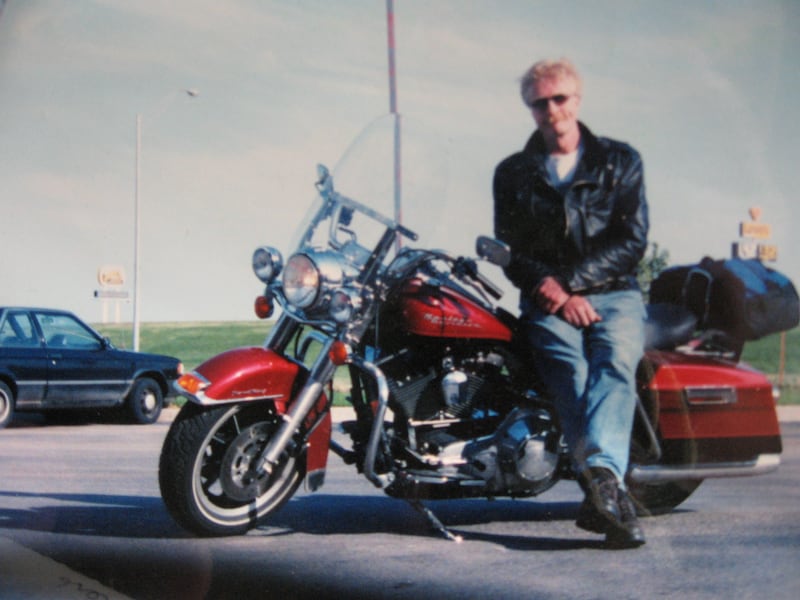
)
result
[(572, 208)]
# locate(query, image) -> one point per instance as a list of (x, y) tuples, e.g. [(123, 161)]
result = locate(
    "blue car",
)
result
[(51, 360)]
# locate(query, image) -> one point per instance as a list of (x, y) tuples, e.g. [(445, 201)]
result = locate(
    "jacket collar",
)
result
[(594, 155)]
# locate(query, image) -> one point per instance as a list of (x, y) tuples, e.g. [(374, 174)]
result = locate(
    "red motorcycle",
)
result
[(445, 400)]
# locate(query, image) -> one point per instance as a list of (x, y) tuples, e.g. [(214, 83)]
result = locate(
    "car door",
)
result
[(23, 357), (82, 370)]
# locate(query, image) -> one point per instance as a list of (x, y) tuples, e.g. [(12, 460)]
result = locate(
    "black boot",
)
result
[(630, 533), (589, 519), (600, 509)]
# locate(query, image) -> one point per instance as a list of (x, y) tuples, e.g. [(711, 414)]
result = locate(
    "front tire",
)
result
[(204, 471)]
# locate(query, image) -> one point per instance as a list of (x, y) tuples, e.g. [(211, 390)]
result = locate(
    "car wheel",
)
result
[(6, 405), (145, 401)]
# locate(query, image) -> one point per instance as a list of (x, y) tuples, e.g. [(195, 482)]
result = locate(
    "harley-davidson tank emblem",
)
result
[(449, 320)]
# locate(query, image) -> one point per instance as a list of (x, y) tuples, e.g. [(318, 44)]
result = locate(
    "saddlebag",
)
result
[(744, 298), (727, 413)]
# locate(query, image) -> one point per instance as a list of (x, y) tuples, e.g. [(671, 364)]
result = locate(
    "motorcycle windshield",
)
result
[(390, 175)]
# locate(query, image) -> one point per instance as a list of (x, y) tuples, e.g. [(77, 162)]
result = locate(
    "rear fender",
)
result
[(257, 374)]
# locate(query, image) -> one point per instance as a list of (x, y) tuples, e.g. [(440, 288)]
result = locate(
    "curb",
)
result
[(789, 413), (28, 574)]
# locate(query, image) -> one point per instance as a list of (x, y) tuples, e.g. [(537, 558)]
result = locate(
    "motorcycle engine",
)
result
[(520, 458), (461, 423)]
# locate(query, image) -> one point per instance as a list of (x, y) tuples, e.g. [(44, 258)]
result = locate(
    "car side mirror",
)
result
[(493, 250)]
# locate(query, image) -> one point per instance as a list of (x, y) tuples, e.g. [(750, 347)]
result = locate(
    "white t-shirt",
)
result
[(561, 167)]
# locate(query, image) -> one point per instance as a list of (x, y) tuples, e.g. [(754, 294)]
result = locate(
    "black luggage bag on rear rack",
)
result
[(743, 298)]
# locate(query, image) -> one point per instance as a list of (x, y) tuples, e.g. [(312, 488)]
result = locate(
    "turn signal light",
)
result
[(339, 353), (192, 383), (264, 307)]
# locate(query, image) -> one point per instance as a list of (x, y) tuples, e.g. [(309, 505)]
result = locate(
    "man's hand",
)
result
[(550, 296), (577, 311)]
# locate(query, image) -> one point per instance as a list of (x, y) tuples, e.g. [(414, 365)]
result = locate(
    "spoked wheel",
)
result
[(208, 475)]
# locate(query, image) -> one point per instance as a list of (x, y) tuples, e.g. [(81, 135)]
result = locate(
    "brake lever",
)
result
[(467, 267)]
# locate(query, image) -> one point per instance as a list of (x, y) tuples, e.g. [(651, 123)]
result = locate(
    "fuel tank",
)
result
[(443, 312)]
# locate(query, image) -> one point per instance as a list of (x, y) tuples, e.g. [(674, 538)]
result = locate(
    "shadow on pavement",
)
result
[(92, 514), (319, 514)]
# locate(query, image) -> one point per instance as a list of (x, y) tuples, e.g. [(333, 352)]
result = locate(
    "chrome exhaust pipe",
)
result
[(765, 463)]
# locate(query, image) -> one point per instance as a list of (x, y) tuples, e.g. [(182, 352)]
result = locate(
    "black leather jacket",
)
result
[(592, 237)]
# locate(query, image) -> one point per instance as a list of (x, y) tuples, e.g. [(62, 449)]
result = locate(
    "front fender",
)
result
[(256, 374), (242, 375)]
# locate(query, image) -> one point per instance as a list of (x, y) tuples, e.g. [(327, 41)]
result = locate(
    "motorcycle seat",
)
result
[(668, 326)]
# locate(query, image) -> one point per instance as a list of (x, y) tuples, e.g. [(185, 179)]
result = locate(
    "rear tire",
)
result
[(6, 405), (204, 472), (656, 498), (661, 498)]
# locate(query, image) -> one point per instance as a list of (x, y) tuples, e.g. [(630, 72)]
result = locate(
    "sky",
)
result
[(707, 91)]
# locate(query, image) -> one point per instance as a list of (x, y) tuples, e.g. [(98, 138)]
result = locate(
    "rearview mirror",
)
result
[(496, 252)]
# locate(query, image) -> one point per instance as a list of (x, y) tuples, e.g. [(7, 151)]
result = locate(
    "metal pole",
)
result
[(136, 234), (398, 204), (192, 93), (392, 72)]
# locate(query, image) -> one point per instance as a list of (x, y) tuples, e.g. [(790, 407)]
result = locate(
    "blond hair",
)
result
[(547, 69)]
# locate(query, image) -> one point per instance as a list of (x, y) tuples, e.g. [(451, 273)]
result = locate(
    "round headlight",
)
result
[(301, 281), (267, 263), (342, 306)]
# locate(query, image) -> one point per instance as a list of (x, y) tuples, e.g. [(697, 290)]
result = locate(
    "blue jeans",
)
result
[(591, 375)]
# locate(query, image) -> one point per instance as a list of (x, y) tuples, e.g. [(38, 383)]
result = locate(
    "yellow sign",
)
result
[(752, 229), (110, 275), (767, 252)]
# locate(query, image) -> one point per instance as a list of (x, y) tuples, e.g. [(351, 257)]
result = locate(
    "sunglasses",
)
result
[(542, 103)]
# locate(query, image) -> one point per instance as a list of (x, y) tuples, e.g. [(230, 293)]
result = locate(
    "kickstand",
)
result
[(434, 521)]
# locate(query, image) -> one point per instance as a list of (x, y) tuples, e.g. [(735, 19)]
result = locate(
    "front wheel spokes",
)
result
[(240, 477), (214, 454), (227, 472)]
